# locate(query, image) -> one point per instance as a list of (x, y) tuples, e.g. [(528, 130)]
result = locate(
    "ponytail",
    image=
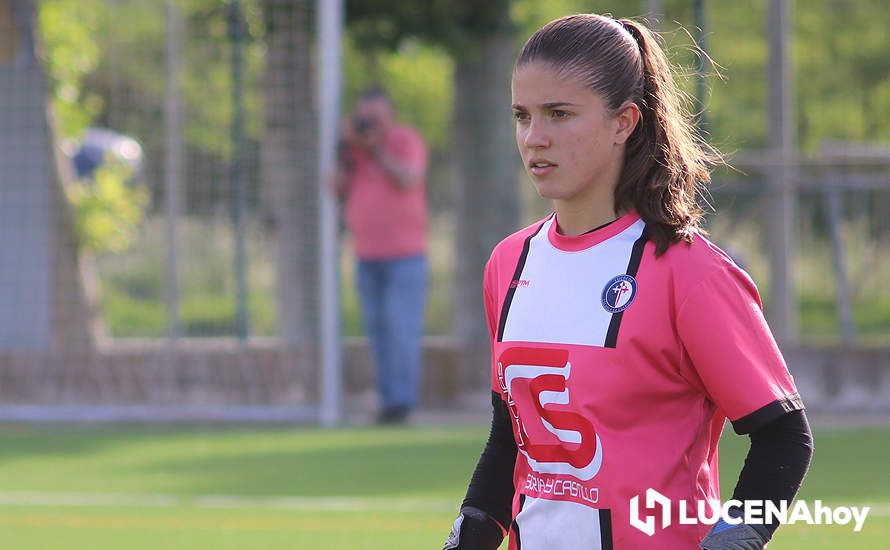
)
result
[(666, 164)]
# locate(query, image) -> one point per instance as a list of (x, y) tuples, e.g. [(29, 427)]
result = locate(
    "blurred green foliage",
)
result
[(99, 50), (107, 211), (418, 78), (71, 53), (96, 49), (839, 48)]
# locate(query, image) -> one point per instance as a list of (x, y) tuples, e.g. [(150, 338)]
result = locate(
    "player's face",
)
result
[(571, 145)]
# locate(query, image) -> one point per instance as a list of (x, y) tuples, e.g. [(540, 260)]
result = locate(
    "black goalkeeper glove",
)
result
[(725, 536), (474, 530)]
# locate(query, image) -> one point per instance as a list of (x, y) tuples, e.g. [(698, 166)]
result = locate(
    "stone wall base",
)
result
[(215, 373)]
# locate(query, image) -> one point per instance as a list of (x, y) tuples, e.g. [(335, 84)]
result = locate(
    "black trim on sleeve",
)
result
[(606, 529), (491, 487), (767, 413), (517, 274), (633, 266)]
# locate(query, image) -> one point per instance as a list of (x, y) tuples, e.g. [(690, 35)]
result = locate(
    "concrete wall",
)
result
[(225, 372)]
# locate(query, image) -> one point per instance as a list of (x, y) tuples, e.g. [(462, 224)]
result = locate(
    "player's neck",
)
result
[(572, 221)]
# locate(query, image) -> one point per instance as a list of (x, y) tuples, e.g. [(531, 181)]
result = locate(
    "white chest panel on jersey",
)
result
[(559, 295)]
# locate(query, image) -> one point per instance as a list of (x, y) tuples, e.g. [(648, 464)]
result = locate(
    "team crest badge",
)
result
[(619, 293)]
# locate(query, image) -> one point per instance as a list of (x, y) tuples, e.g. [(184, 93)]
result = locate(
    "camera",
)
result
[(363, 125)]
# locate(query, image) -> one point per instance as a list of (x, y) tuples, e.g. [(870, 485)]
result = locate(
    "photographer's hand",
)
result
[(402, 175)]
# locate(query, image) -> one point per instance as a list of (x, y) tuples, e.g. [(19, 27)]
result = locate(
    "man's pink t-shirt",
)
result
[(385, 220), (619, 369)]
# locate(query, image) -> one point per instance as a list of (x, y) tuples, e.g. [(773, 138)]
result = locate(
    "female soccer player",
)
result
[(621, 337)]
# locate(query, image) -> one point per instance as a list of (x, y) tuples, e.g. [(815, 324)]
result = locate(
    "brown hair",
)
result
[(666, 163)]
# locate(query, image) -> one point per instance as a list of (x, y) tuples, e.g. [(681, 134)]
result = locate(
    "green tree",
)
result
[(72, 53)]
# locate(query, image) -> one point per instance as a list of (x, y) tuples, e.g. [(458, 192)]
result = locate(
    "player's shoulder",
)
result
[(505, 255), (694, 261), (698, 258), (512, 245), (701, 252)]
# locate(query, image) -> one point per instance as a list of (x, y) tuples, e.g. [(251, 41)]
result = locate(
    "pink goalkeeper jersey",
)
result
[(619, 369), (386, 221)]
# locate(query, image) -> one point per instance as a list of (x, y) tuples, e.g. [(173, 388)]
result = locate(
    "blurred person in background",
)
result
[(621, 338), (381, 176)]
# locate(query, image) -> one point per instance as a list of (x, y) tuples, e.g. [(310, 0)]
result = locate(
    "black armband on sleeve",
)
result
[(777, 462), (491, 487), (764, 415)]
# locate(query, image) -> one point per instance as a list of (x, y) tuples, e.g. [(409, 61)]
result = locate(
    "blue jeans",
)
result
[(393, 296)]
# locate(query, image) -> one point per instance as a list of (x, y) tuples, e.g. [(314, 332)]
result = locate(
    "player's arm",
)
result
[(776, 464), (741, 369), (486, 510)]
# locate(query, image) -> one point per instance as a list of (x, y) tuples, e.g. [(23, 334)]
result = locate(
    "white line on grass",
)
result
[(336, 504)]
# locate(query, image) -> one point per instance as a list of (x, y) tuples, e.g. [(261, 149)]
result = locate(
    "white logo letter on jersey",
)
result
[(512, 372)]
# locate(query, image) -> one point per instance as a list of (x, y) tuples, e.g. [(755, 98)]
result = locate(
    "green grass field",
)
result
[(134, 487)]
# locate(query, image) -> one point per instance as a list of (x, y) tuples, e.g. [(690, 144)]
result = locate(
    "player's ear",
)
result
[(626, 119)]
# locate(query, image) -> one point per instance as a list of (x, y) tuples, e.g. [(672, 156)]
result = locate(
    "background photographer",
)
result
[(381, 177)]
